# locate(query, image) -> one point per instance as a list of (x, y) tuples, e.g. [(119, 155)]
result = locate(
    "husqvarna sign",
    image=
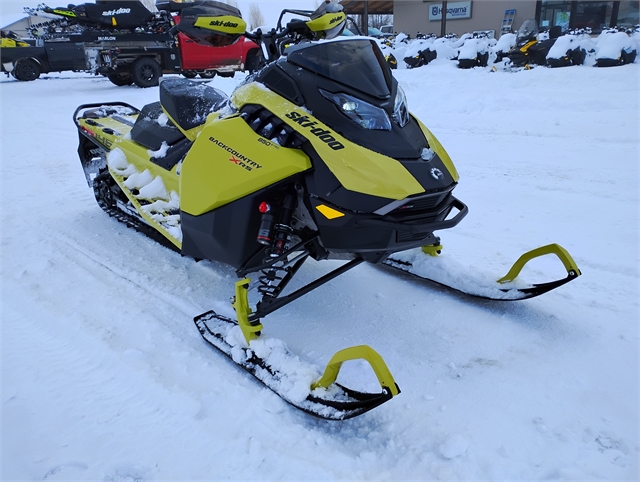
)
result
[(455, 10)]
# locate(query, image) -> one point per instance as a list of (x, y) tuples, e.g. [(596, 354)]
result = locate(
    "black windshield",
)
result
[(358, 63), (528, 31)]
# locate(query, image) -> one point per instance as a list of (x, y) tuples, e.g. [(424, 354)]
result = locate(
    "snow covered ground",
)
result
[(105, 377)]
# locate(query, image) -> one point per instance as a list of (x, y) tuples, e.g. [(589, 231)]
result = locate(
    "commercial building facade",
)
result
[(497, 16)]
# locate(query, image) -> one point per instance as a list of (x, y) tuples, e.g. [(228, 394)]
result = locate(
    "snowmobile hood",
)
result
[(212, 24), (358, 63), (358, 169)]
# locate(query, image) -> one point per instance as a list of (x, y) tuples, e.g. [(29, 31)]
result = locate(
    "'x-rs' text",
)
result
[(237, 158)]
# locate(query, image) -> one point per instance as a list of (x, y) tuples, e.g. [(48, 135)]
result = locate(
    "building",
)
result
[(497, 16)]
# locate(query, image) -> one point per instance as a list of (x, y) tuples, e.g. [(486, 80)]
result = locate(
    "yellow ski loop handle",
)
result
[(252, 332), (360, 352), (564, 256)]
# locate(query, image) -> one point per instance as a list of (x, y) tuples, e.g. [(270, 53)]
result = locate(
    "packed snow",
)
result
[(105, 377)]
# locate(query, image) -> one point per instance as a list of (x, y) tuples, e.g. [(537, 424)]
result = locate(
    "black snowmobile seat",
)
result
[(127, 14), (189, 103), (151, 130)]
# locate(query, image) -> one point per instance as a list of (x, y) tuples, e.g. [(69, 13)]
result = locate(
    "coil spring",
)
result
[(269, 280), (281, 237)]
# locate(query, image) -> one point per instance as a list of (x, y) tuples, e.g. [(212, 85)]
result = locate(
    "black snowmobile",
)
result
[(528, 49), (423, 56), (103, 15), (624, 49), (315, 156), (124, 14), (567, 51)]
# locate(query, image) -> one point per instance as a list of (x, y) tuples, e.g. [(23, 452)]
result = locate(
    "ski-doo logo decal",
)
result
[(437, 174), (335, 19), (106, 38), (220, 23), (237, 158), (323, 134), (108, 13)]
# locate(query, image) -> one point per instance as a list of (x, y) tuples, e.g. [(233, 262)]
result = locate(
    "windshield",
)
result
[(358, 63), (528, 31)]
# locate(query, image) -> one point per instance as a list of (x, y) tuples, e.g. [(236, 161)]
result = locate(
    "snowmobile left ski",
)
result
[(314, 156), (426, 263)]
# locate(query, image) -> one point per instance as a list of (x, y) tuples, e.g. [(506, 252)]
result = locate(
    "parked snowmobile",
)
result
[(569, 49), (103, 14), (528, 49), (420, 51), (9, 39), (615, 47), (315, 156), (474, 52)]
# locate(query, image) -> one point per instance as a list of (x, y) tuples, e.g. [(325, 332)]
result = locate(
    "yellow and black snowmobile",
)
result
[(528, 50), (103, 14), (315, 156), (9, 39)]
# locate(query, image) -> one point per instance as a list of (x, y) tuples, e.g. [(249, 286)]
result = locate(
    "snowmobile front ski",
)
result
[(426, 263), (270, 362)]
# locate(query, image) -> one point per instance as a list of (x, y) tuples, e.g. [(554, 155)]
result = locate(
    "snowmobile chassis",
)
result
[(217, 330), (236, 339)]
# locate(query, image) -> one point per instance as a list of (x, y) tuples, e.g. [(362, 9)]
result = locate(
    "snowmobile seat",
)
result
[(555, 32), (189, 103), (152, 128), (125, 14)]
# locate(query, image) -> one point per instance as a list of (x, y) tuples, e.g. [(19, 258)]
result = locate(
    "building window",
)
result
[(628, 14), (555, 13), (594, 15)]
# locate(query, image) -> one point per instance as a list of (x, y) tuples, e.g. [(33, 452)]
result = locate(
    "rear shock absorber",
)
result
[(276, 237), (283, 230), (266, 224)]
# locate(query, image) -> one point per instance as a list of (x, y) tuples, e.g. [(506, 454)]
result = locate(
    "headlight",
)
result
[(361, 112), (400, 109)]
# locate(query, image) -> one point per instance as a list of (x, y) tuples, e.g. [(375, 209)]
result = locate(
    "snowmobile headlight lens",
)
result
[(361, 112), (400, 109), (349, 106)]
